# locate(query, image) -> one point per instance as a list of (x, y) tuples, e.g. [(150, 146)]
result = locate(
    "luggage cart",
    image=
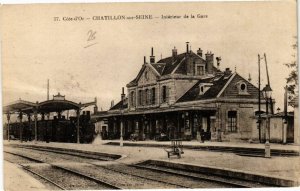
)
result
[(176, 148)]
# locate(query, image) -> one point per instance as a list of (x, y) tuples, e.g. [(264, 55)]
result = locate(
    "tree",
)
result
[(292, 79)]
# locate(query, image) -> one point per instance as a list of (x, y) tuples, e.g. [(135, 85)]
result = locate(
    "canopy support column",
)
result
[(35, 126), (28, 132), (78, 135), (8, 124), (21, 126)]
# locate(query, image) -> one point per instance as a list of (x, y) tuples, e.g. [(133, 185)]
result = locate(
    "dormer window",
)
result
[(242, 88), (199, 69), (204, 87)]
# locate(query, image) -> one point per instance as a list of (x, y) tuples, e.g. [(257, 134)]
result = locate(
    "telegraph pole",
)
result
[(48, 89), (122, 111), (259, 103), (271, 101)]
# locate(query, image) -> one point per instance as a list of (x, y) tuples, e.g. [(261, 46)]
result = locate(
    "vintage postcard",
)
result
[(161, 95)]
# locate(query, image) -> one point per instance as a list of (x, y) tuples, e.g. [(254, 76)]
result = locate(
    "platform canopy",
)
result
[(57, 104), (19, 105)]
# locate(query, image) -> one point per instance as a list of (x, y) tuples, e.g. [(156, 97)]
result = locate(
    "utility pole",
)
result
[(259, 101), (122, 111), (285, 116), (271, 100), (48, 89)]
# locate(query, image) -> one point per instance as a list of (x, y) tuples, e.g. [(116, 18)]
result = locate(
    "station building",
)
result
[(183, 96)]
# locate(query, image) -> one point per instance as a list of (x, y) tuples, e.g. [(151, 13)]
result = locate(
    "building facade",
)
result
[(185, 96)]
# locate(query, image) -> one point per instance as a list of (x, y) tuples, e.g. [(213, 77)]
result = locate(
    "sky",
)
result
[(35, 48)]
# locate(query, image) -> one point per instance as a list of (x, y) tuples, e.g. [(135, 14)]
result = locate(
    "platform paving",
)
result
[(285, 167), (16, 179)]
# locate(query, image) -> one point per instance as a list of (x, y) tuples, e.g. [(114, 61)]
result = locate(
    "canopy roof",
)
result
[(57, 104), (19, 105)]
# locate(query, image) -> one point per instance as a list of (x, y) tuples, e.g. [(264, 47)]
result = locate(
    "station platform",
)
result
[(276, 166), (16, 179), (210, 144)]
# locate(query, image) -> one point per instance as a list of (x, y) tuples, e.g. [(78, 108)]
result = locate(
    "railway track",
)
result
[(121, 176), (66, 172), (53, 156), (236, 183), (142, 176), (170, 173), (72, 153), (35, 173)]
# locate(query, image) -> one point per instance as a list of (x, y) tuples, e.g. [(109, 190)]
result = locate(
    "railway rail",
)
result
[(101, 183), (144, 173), (143, 177), (237, 183), (76, 153)]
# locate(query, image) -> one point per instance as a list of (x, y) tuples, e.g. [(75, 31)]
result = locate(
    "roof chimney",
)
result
[(174, 52), (199, 52), (144, 59), (122, 95), (218, 62), (95, 107), (209, 57), (227, 71), (112, 103), (187, 47), (152, 57)]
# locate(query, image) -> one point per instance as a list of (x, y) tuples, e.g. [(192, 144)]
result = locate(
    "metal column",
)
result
[(78, 135), (35, 126), (8, 124), (21, 126)]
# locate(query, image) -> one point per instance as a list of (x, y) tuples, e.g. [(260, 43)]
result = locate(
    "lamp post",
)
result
[(121, 129), (122, 112), (258, 123), (267, 92)]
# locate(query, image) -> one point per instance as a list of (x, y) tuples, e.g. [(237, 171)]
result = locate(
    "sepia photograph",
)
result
[(150, 95)]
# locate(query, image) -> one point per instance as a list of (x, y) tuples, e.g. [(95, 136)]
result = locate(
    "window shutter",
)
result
[(161, 94), (133, 99), (140, 98), (143, 97), (167, 94), (150, 97), (153, 96)]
